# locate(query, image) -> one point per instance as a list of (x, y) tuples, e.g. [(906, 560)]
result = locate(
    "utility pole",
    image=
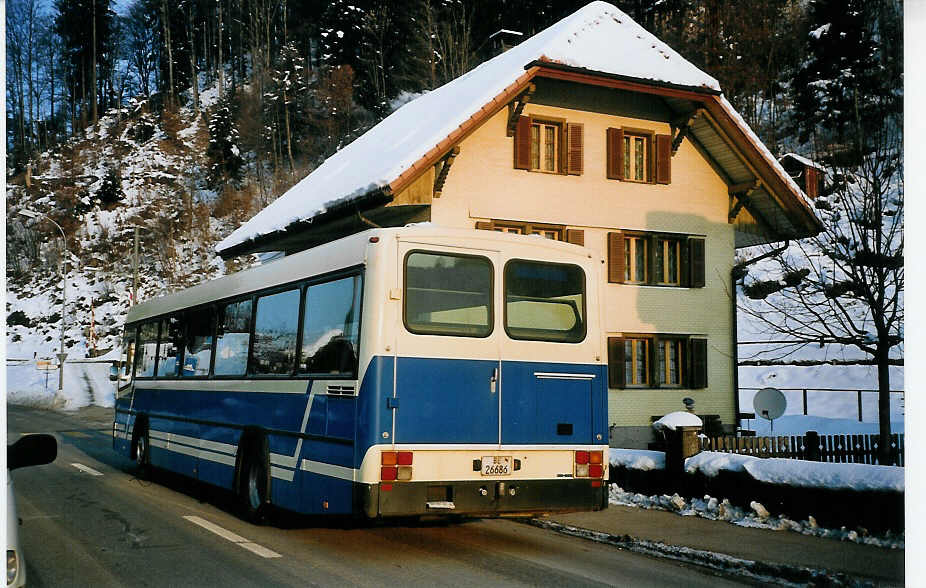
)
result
[(135, 271), (62, 355)]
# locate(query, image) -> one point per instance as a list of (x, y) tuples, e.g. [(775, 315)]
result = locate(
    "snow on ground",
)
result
[(799, 424), (800, 473), (791, 472), (757, 517), (637, 459), (85, 384), (791, 380)]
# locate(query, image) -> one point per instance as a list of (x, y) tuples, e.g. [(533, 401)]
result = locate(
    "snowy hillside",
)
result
[(134, 169)]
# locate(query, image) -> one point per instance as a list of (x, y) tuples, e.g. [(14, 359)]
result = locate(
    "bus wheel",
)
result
[(142, 455), (253, 490)]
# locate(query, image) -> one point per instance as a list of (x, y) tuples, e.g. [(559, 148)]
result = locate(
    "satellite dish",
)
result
[(770, 403)]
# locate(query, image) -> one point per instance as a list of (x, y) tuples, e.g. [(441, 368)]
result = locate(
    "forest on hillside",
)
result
[(301, 78)]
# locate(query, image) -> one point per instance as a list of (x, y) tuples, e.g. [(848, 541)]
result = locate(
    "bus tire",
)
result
[(141, 451), (254, 485)]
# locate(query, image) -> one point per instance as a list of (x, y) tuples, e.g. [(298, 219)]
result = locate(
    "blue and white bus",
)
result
[(404, 371)]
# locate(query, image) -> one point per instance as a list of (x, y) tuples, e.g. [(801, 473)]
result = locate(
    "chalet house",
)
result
[(594, 132), (806, 173)]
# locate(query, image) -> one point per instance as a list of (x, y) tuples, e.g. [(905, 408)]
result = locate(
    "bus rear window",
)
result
[(544, 301), (448, 294)]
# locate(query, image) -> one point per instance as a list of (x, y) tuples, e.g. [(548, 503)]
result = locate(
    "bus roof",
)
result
[(337, 255)]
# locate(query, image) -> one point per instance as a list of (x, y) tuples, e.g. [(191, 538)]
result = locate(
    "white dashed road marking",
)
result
[(226, 534), (87, 469)]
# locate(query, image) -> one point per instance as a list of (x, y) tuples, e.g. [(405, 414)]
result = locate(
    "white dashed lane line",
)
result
[(228, 535), (87, 469)]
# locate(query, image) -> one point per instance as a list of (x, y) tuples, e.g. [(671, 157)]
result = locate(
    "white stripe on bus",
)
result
[(327, 469), (194, 441), (194, 452), (282, 474)]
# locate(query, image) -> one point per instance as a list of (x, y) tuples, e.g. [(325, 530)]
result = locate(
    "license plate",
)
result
[(494, 465)]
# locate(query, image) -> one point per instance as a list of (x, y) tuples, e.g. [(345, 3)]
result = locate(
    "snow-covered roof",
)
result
[(598, 37), (804, 161), (678, 419)]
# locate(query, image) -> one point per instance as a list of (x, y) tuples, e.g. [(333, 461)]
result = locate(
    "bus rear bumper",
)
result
[(482, 497)]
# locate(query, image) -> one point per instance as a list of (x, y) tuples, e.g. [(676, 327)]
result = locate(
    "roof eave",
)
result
[(366, 201)]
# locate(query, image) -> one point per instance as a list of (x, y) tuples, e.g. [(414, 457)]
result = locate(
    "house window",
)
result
[(635, 265), (669, 362), (656, 259), (657, 361), (545, 147), (552, 232), (636, 157), (636, 362), (667, 257)]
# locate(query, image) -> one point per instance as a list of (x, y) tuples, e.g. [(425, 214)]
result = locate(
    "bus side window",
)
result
[(127, 359), (146, 352), (275, 328), (170, 346), (232, 338), (331, 334), (197, 346)]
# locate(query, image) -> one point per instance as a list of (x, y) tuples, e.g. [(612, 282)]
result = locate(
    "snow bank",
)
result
[(678, 419), (756, 516), (637, 459), (85, 384), (805, 474)]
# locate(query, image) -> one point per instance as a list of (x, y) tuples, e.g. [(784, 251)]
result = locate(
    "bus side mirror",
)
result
[(31, 450)]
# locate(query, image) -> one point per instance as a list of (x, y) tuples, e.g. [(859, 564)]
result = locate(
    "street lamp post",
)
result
[(62, 355)]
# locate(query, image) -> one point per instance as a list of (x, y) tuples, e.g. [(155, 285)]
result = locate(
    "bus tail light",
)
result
[(589, 464), (396, 465)]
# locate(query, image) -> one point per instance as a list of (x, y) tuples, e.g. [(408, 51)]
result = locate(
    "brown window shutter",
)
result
[(484, 225), (698, 369), (651, 160), (684, 269), (575, 136), (663, 159), (575, 236), (616, 362), (651, 362), (522, 143), (696, 265), (616, 257), (615, 144)]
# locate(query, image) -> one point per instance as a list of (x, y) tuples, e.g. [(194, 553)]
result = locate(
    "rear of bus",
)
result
[(486, 390)]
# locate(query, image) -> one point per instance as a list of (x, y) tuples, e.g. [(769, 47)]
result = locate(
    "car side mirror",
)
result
[(31, 450)]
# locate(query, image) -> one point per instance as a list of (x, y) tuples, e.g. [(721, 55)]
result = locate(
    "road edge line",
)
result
[(232, 537)]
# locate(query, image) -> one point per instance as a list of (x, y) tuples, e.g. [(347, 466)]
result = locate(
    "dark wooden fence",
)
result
[(829, 448)]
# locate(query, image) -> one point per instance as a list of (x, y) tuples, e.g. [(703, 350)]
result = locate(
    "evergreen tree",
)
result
[(223, 150), (852, 73), (75, 25)]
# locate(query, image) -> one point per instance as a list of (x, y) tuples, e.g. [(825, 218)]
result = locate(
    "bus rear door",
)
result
[(447, 387)]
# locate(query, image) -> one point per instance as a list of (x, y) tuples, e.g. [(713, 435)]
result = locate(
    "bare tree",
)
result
[(846, 285)]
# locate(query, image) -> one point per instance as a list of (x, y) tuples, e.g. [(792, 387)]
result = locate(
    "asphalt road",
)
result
[(87, 520)]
